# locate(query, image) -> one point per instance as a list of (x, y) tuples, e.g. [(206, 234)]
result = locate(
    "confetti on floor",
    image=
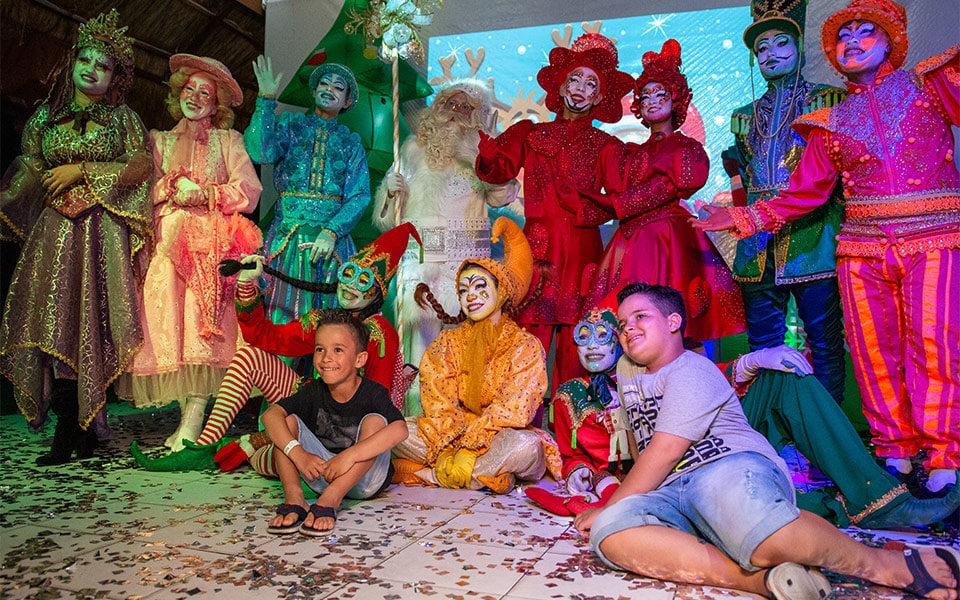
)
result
[(104, 528)]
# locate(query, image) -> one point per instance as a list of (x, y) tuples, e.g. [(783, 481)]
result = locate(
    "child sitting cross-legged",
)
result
[(335, 433)]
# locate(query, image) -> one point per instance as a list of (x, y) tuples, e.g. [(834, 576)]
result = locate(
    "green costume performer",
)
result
[(799, 260), (785, 408)]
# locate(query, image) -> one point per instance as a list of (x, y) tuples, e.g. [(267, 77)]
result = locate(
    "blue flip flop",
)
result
[(319, 511), (284, 510), (923, 583)]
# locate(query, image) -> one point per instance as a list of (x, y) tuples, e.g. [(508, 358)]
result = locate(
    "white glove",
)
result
[(188, 193), (322, 247), (396, 183), (251, 274), (268, 83), (578, 481), (779, 358)]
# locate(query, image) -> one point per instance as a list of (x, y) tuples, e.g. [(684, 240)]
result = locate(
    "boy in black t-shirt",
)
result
[(336, 432)]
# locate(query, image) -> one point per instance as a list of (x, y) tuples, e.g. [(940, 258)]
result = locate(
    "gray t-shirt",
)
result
[(689, 398)]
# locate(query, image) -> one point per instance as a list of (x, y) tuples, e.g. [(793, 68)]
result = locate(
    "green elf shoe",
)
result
[(191, 458)]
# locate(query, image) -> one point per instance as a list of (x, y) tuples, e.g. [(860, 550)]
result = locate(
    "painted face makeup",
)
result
[(656, 103), (331, 94), (355, 289), (92, 72), (477, 290), (581, 90), (777, 54), (862, 46), (597, 346), (198, 98)]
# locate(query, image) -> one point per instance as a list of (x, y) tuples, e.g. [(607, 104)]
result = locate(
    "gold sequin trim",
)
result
[(873, 506)]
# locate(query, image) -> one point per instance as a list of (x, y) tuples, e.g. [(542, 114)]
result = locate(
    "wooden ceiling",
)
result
[(35, 34)]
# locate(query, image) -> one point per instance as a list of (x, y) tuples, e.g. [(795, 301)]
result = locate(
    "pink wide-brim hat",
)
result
[(213, 67)]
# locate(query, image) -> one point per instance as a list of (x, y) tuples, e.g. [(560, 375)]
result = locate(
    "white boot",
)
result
[(940, 479), (191, 422), (172, 439)]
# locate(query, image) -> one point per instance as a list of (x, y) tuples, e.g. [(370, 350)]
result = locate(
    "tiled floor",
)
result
[(103, 528)]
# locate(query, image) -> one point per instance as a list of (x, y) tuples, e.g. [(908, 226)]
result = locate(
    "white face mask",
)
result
[(92, 72), (862, 47), (331, 94), (198, 98), (656, 103), (477, 290), (777, 54), (581, 90)]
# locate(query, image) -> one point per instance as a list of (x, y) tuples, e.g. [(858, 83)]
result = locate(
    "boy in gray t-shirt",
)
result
[(689, 398), (708, 501)]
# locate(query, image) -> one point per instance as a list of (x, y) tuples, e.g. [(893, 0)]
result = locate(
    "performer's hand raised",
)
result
[(263, 69)]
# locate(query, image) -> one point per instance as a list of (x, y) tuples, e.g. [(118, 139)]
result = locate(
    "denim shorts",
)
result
[(733, 503), (371, 483)]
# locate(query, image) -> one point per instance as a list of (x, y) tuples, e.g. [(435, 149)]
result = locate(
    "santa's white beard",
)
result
[(447, 140)]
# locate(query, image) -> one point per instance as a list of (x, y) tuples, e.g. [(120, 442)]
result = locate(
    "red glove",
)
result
[(487, 145)]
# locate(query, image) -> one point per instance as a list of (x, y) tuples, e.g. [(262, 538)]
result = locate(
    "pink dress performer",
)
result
[(654, 242), (898, 254), (205, 179), (559, 158)]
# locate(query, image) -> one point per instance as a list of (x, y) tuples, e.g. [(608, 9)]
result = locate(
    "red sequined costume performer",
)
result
[(558, 158), (590, 428), (363, 284), (654, 242), (78, 199), (898, 255)]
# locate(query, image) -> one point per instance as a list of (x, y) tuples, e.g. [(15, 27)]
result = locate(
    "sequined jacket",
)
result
[(769, 151), (892, 144), (320, 170), (514, 382), (584, 427), (558, 158)]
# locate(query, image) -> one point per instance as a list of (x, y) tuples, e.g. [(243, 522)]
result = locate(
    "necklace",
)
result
[(787, 117)]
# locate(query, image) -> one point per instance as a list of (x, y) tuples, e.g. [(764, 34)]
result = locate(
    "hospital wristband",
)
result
[(290, 446)]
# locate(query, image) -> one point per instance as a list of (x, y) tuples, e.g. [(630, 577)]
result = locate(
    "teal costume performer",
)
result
[(786, 408), (320, 171)]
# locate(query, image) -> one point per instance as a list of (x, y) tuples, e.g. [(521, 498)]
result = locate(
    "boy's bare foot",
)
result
[(288, 520), (319, 521)]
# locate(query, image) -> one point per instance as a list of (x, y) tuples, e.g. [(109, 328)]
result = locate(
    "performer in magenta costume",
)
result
[(204, 181), (654, 242), (559, 158), (898, 253)]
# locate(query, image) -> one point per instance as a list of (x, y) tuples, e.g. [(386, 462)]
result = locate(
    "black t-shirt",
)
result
[(336, 424)]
